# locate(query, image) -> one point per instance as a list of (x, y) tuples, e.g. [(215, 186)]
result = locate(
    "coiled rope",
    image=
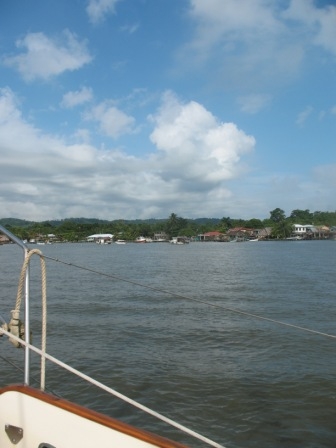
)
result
[(44, 355), (87, 378), (44, 304)]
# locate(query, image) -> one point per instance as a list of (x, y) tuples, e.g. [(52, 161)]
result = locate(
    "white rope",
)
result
[(114, 392), (44, 304)]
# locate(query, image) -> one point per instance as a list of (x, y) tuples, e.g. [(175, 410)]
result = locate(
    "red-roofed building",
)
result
[(240, 233), (213, 236)]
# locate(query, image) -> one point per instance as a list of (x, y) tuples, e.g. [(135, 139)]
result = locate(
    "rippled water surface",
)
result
[(237, 379)]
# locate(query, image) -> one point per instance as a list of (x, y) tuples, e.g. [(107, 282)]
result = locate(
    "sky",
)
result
[(136, 109)]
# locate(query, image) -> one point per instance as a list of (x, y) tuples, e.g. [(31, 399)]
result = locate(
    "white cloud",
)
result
[(320, 22), (243, 43), (130, 29), (112, 121), (232, 20), (82, 135), (255, 44), (326, 175), (34, 149), (321, 115), (302, 117), (72, 99), (43, 176), (196, 160), (8, 106), (45, 57), (251, 104), (98, 9), (196, 148)]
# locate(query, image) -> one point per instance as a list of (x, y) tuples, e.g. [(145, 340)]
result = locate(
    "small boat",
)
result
[(30, 417), (141, 239), (120, 242), (179, 240)]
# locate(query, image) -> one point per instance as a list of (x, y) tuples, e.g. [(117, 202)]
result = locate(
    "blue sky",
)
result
[(122, 109)]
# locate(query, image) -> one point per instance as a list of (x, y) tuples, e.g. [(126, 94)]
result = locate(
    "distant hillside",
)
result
[(15, 222), (58, 222), (206, 221)]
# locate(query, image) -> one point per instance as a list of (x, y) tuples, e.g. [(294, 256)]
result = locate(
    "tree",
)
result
[(188, 231), (226, 223), (144, 229), (282, 229), (277, 215), (302, 216), (175, 224), (254, 223)]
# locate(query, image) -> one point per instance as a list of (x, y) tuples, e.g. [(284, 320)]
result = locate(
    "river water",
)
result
[(237, 379)]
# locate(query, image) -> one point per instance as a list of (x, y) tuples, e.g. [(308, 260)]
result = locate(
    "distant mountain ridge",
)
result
[(16, 222)]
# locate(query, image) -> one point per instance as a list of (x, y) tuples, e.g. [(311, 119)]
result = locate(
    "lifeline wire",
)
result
[(204, 302), (2, 319), (44, 355), (19, 369), (113, 392)]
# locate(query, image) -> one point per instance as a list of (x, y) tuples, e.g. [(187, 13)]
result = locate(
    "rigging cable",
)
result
[(182, 296), (114, 392)]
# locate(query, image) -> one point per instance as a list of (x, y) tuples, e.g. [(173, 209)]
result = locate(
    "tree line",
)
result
[(77, 229)]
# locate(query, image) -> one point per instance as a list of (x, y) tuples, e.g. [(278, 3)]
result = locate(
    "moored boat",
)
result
[(179, 240), (140, 239)]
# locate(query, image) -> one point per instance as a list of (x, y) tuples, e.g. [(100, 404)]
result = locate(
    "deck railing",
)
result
[(25, 250)]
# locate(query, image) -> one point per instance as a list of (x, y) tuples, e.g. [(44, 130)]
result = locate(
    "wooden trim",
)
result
[(94, 416)]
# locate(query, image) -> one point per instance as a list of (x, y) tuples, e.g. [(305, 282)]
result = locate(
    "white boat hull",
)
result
[(46, 421)]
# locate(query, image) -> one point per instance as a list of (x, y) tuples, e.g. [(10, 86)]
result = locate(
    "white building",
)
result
[(102, 238), (303, 230)]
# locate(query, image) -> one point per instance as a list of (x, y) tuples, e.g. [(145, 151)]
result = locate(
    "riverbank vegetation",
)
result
[(78, 229)]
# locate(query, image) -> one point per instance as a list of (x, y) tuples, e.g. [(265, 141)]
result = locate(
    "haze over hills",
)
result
[(16, 222)]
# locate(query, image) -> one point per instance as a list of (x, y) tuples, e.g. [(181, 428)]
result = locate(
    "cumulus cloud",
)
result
[(112, 121), (195, 146), (45, 57), (195, 159), (34, 149), (194, 155), (72, 99), (44, 176), (34, 166), (98, 9)]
